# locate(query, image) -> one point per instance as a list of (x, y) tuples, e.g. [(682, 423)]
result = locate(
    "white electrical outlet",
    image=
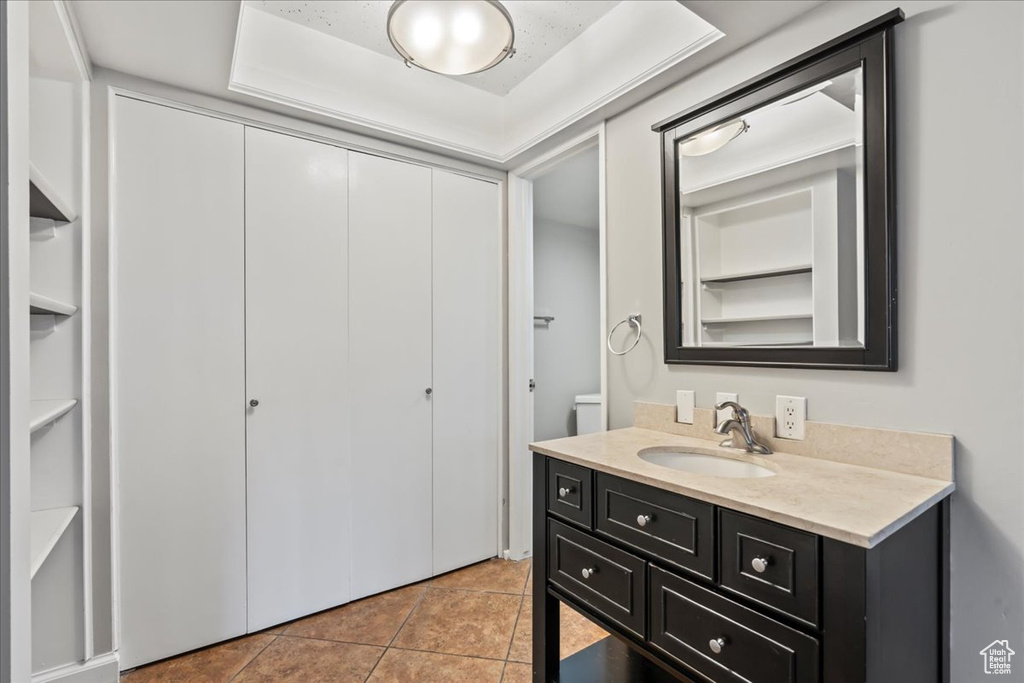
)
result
[(684, 406), (790, 417), (723, 415)]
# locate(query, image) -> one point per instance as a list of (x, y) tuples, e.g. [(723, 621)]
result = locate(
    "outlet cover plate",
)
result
[(790, 417), (723, 415), (684, 406)]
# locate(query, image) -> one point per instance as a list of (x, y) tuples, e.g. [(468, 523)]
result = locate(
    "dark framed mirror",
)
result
[(779, 214)]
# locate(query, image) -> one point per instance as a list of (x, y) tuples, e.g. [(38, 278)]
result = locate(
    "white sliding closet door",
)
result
[(297, 437), (390, 352), (467, 381), (177, 326)]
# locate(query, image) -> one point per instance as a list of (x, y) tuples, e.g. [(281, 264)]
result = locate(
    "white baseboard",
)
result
[(102, 669)]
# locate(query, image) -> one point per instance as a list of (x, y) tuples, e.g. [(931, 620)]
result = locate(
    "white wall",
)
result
[(960, 156), (566, 353)]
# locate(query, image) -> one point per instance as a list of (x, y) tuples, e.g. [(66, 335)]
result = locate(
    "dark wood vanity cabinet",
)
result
[(697, 592)]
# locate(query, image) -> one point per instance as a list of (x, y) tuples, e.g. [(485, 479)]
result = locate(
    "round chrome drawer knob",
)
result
[(716, 645), (642, 520), (587, 573), (563, 492), (760, 564)]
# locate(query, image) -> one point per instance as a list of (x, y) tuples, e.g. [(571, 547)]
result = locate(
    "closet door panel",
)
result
[(296, 278), (389, 347), (467, 382), (177, 326)]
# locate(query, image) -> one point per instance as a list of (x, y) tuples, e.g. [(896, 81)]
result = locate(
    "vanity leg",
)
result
[(546, 638)]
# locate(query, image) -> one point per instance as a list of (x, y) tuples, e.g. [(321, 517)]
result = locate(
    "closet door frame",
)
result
[(175, 98)]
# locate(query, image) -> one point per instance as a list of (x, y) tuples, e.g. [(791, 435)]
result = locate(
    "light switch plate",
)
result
[(790, 417), (723, 415), (684, 406)]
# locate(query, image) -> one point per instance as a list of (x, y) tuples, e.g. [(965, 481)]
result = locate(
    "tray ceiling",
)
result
[(542, 29), (334, 59)]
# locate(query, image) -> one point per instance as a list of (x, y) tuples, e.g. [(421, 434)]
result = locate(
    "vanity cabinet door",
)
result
[(670, 527), (772, 564), (725, 641), (610, 581)]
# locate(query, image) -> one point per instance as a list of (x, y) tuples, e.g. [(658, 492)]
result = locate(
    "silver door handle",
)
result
[(587, 573), (642, 520), (760, 564), (716, 645)]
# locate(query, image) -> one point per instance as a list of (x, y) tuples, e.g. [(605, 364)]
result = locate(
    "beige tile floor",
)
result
[(470, 625)]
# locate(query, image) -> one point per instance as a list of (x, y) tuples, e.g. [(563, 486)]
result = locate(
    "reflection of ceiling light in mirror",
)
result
[(804, 94), (713, 139), (452, 37)]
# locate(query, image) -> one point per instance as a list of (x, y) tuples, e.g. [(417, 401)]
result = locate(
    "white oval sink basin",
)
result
[(702, 463)]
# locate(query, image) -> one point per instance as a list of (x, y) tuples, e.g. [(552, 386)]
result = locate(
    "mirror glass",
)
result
[(771, 228)]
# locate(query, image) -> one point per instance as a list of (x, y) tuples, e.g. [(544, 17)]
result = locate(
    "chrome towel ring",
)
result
[(633, 320)]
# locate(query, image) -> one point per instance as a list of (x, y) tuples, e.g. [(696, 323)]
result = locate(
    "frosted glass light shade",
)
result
[(712, 140), (452, 37)]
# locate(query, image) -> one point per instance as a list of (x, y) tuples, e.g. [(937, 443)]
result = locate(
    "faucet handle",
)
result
[(738, 411)]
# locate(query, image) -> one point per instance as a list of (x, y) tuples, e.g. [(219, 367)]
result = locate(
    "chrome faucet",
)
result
[(739, 422)]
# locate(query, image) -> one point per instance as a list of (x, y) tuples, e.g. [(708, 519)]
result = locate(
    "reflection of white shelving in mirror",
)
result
[(770, 264), (47, 528)]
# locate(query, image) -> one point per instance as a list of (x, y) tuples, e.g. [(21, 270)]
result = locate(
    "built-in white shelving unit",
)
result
[(47, 528), (45, 201), (44, 305), (44, 412), (761, 258)]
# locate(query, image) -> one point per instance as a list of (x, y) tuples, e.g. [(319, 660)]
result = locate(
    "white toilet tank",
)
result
[(588, 413)]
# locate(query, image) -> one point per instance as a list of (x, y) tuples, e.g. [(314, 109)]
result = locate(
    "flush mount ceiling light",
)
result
[(451, 37), (712, 139)]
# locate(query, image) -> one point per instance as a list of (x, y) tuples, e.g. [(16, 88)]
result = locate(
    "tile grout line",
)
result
[(515, 627), (387, 647), (262, 650)]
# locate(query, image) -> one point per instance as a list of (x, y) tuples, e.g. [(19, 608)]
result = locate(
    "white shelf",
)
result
[(757, 318), (44, 305), (47, 528), (807, 343), (757, 274), (42, 413), (44, 202)]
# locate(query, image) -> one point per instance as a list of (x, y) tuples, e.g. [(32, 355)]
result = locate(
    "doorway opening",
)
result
[(557, 294)]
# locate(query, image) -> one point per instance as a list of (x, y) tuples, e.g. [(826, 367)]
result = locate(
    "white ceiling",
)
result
[(291, 62), (542, 28), (190, 45), (568, 193)]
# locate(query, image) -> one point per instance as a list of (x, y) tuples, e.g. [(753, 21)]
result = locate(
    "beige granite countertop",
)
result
[(851, 503)]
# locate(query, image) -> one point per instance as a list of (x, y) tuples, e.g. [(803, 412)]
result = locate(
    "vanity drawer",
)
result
[(672, 528), (772, 564), (570, 491), (689, 622), (612, 582)]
